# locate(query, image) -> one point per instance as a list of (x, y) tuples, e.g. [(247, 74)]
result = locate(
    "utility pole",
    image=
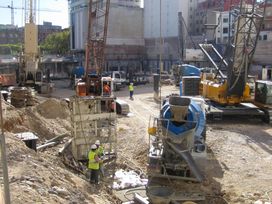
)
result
[(161, 43), (3, 157)]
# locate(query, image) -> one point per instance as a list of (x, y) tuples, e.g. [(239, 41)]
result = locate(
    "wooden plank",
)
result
[(92, 117), (82, 140)]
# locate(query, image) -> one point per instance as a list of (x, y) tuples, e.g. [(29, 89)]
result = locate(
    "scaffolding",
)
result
[(94, 118)]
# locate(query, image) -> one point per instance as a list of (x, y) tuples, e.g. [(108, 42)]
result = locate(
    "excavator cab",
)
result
[(263, 92)]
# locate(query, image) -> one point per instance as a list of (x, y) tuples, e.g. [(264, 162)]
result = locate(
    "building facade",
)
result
[(125, 38), (10, 34), (46, 29), (164, 19)]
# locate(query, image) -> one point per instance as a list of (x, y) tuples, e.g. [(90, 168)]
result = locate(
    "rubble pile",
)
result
[(127, 179), (41, 177), (21, 97), (53, 108), (46, 120)]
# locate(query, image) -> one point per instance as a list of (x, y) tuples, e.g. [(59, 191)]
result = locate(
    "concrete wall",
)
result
[(125, 23), (78, 24), (169, 17), (263, 53), (125, 40), (125, 26)]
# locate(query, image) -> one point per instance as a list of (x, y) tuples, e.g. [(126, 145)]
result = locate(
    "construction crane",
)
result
[(29, 72), (228, 90), (98, 15), (12, 8), (232, 89)]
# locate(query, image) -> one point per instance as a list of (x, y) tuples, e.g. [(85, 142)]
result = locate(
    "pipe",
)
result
[(190, 161), (140, 199)]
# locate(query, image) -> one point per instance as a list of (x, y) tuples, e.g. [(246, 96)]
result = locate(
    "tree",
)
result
[(57, 43), (10, 49)]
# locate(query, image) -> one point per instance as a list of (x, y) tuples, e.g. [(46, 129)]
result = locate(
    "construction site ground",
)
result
[(238, 166)]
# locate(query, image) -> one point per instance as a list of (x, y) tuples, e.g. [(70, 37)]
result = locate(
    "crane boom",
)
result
[(12, 8)]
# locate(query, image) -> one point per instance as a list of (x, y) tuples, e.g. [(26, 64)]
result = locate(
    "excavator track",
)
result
[(267, 116)]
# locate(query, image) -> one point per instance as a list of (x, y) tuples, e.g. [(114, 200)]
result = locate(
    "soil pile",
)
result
[(53, 108), (47, 120), (42, 178)]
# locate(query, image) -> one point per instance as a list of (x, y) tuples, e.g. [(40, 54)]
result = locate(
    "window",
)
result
[(225, 30), (260, 37), (225, 20), (264, 37)]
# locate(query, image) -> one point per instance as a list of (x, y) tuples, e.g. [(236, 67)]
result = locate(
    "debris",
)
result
[(60, 191), (57, 138), (61, 150), (46, 145), (126, 179), (29, 138), (53, 108), (21, 97), (140, 199)]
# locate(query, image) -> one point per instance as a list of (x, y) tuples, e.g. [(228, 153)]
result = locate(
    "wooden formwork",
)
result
[(93, 119)]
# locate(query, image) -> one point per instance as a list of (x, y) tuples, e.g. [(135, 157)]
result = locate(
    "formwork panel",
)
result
[(92, 121)]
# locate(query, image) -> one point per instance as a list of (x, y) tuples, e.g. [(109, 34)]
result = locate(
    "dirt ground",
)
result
[(239, 158), (238, 166)]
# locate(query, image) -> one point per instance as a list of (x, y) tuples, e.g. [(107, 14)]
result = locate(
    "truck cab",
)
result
[(117, 79)]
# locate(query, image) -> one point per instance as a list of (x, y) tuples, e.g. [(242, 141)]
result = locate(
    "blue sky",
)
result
[(57, 18)]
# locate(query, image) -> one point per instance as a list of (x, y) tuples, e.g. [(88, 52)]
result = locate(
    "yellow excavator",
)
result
[(227, 88)]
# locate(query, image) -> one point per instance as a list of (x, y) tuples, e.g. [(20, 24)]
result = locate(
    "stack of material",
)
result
[(30, 98), (190, 85), (22, 96)]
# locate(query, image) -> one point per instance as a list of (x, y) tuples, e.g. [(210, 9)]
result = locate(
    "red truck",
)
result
[(8, 79)]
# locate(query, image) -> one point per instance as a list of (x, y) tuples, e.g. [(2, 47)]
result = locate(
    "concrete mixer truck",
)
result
[(177, 140)]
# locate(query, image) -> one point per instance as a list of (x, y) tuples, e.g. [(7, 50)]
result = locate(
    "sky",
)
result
[(57, 18)]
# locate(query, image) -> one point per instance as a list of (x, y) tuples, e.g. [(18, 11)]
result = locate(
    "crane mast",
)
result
[(249, 19), (98, 15)]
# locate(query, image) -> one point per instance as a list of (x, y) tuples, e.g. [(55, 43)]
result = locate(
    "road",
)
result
[(239, 159)]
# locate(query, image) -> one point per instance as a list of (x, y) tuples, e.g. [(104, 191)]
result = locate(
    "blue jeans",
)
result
[(131, 94)]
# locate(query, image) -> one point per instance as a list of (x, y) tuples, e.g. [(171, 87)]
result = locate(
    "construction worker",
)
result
[(131, 89), (93, 164), (100, 153), (106, 89)]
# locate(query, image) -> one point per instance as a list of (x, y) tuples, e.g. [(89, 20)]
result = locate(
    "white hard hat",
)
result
[(97, 142), (93, 146), (131, 83)]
